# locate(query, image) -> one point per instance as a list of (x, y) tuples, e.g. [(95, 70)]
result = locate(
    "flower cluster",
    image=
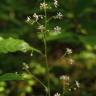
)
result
[(67, 83), (65, 80), (65, 77)]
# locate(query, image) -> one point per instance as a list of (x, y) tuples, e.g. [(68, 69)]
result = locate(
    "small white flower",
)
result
[(28, 19), (77, 83), (57, 94), (16, 73), (68, 51), (74, 88), (43, 5), (25, 66), (31, 54), (41, 27), (71, 61), (36, 16), (65, 77), (57, 29), (41, 16), (59, 15), (56, 3), (69, 89)]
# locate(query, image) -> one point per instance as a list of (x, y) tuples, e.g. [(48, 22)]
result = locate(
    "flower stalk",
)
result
[(45, 48)]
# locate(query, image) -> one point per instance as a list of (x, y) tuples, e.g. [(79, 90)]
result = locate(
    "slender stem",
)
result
[(45, 47), (36, 79), (62, 56), (46, 62)]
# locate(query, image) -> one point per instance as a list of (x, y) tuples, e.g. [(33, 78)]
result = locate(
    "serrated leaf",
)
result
[(10, 76), (13, 45)]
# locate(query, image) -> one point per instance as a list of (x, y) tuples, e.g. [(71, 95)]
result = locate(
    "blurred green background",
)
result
[(16, 37)]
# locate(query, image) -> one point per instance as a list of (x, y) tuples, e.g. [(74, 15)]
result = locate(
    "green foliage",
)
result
[(18, 39), (10, 76), (13, 45)]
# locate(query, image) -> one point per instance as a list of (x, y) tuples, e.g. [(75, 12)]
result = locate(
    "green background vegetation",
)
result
[(18, 39)]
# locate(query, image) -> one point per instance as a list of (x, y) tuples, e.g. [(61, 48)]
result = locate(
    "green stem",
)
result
[(46, 62), (45, 47), (37, 79)]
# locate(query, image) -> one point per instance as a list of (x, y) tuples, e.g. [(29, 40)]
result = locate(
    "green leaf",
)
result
[(13, 45), (10, 76), (59, 36), (81, 5), (90, 40), (89, 26)]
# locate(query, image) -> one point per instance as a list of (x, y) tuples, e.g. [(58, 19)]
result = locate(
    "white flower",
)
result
[(41, 27), (41, 16), (31, 54), (43, 5), (57, 94), (36, 16), (16, 73), (69, 89), (68, 51), (25, 66), (59, 15), (56, 3), (77, 83), (28, 19), (57, 29), (74, 88), (71, 61), (65, 77)]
